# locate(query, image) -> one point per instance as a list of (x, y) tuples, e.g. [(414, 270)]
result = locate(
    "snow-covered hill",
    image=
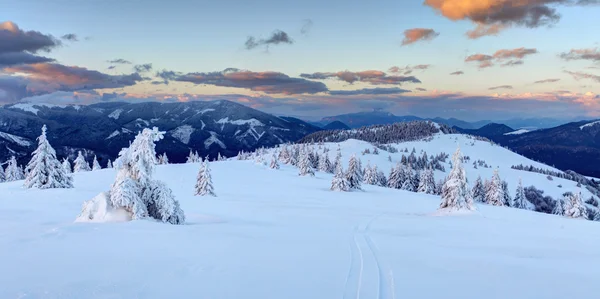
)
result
[(273, 234)]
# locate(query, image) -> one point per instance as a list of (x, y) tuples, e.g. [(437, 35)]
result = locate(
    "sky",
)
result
[(469, 59)]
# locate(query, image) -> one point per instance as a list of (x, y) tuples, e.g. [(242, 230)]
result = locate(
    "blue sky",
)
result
[(209, 36)]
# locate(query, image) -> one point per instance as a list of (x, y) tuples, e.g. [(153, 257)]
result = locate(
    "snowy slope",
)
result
[(273, 234), (518, 132)]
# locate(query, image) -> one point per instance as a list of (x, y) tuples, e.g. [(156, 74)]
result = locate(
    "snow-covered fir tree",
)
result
[(163, 159), (381, 179), (284, 155), (193, 157), (508, 201), (304, 165), (520, 201), (576, 208), (478, 191), (409, 184), (427, 182), (495, 194), (67, 165), (109, 164), (370, 177), (81, 164), (455, 191), (339, 182), (12, 171), (353, 174), (95, 164), (219, 157), (2, 175), (274, 163), (135, 190), (395, 178), (204, 185), (559, 207), (44, 170), (325, 164)]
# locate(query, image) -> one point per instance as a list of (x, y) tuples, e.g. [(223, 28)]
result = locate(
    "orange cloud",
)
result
[(418, 34)]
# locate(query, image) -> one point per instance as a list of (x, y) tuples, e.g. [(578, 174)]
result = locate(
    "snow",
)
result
[(15, 139), (213, 139), (206, 110), (183, 133), (253, 122), (115, 114), (518, 132), (589, 124), (31, 107), (273, 234), (113, 134), (99, 210)]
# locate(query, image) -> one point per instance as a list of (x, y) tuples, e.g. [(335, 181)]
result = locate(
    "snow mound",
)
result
[(518, 132), (16, 139), (183, 133), (589, 124), (98, 209)]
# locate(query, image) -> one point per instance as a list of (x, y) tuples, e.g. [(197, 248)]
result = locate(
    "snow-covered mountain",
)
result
[(103, 129), (273, 234)]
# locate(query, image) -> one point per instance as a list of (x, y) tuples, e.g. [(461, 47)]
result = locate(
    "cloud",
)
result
[(370, 76), (72, 37), (12, 89), (142, 68), (581, 75), (418, 34), (369, 91), (409, 69), (111, 67), (48, 77), (457, 73), (16, 58), (508, 57), (546, 81), (420, 89), (267, 82), (582, 54), (14, 39), (501, 87), (306, 26), (492, 16), (276, 38), (119, 61)]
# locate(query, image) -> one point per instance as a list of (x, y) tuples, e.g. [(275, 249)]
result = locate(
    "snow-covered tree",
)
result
[(163, 159), (135, 191), (427, 182), (559, 207), (339, 182), (520, 201), (274, 163), (370, 177), (95, 164), (284, 155), (67, 165), (2, 175), (576, 208), (304, 165), (381, 179), (455, 192), (410, 183), (109, 164), (12, 171), (395, 180), (353, 174), (204, 184), (495, 194), (478, 191), (508, 201), (324, 163), (193, 157), (44, 170), (81, 164)]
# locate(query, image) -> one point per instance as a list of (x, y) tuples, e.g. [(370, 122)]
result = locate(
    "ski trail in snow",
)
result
[(366, 277)]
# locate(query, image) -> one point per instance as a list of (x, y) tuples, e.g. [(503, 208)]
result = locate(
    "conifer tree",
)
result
[(21, 172), (409, 183), (508, 201), (353, 174), (304, 165), (2, 175), (455, 192), (95, 164), (395, 178), (12, 172), (427, 182), (520, 201), (495, 194), (478, 190), (370, 175), (559, 207), (324, 163), (274, 164), (576, 207), (204, 185), (44, 170), (339, 182), (109, 164), (67, 165), (381, 179), (81, 164)]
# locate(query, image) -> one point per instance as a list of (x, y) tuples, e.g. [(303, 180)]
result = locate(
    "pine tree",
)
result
[(21, 172), (274, 164), (576, 208), (339, 182), (324, 163), (520, 201), (192, 157), (478, 190), (495, 194), (12, 172), (67, 165), (455, 192), (395, 178), (304, 165), (284, 155), (381, 179), (559, 207), (353, 174), (2, 175), (427, 182), (370, 175), (81, 164), (409, 183), (163, 159), (508, 201), (109, 164), (95, 164), (204, 185), (44, 170)]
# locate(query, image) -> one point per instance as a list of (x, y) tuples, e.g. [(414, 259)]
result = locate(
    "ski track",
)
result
[(367, 277)]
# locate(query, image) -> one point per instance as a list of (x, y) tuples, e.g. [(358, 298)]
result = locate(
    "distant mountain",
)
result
[(362, 119), (489, 131), (103, 129), (336, 125)]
